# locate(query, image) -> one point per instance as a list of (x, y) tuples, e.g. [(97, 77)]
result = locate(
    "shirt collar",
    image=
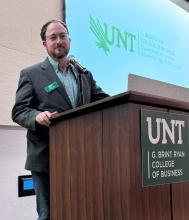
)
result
[(54, 63), (56, 66)]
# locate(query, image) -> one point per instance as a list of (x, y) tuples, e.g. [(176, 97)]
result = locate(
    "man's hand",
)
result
[(43, 118)]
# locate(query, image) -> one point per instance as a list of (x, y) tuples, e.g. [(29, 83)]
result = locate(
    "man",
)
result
[(44, 90)]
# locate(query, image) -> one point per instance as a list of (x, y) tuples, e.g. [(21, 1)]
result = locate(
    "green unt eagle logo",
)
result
[(105, 39)]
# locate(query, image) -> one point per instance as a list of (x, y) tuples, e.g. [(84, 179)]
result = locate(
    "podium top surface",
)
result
[(127, 97)]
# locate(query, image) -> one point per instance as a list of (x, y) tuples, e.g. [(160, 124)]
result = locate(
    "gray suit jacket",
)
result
[(31, 99)]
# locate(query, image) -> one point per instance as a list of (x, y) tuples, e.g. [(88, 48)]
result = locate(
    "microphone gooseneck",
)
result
[(74, 62)]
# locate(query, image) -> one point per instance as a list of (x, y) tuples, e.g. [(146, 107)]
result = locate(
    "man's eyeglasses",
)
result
[(55, 37)]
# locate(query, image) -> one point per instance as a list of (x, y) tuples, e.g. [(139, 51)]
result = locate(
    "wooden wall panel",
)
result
[(180, 200), (180, 195), (79, 162)]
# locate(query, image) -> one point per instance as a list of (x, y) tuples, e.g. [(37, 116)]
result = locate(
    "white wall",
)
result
[(12, 160), (20, 43), (20, 46)]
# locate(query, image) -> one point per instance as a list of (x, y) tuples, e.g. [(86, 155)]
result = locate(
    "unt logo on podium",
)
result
[(171, 129), (165, 147)]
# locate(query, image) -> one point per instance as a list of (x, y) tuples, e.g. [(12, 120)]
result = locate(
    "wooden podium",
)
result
[(95, 163)]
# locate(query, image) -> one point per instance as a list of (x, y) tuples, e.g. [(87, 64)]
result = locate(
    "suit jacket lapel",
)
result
[(52, 77)]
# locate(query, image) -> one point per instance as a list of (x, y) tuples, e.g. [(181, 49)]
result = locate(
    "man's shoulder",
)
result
[(35, 67)]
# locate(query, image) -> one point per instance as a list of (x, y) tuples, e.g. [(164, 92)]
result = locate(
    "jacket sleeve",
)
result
[(24, 112)]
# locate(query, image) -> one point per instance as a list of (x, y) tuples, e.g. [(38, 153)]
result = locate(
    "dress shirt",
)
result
[(68, 80)]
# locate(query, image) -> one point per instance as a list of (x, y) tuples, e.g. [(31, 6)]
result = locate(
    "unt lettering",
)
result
[(163, 130)]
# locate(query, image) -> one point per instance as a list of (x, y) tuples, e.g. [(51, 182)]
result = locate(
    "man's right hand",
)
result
[(43, 118)]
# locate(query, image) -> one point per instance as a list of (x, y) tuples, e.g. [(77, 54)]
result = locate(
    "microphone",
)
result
[(73, 61)]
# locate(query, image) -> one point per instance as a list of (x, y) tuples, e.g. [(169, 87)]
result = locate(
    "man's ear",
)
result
[(44, 43)]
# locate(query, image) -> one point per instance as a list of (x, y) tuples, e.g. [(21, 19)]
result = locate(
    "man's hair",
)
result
[(44, 28)]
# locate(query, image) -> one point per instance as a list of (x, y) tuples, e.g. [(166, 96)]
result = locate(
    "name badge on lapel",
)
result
[(51, 87)]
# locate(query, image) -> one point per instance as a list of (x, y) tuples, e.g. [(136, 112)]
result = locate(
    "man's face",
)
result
[(57, 41)]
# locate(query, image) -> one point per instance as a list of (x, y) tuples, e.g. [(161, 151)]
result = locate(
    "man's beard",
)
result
[(60, 54)]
